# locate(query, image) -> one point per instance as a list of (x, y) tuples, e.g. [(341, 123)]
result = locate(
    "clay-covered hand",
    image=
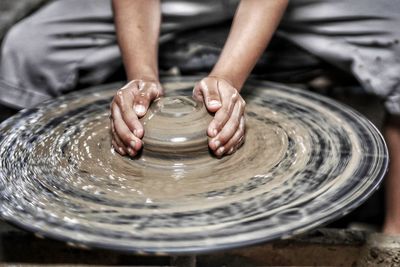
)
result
[(227, 129), (129, 104)]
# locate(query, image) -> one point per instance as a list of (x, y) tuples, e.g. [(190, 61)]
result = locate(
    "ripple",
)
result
[(306, 161)]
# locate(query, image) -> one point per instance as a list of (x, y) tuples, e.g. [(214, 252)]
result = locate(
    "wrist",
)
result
[(237, 83), (144, 74), (143, 77)]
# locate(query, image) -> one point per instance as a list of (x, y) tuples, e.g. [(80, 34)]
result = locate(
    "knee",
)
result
[(23, 43)]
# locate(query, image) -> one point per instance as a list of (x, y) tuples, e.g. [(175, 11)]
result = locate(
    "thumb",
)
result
[(211, 97)]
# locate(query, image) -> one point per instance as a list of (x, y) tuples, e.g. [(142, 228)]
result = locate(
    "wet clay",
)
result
[(306, 161), (176, 126)]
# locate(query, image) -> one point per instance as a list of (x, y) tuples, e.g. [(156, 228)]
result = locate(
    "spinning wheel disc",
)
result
[(306, 161)]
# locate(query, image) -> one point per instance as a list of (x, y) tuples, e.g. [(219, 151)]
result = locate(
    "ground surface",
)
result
[(321, 247)]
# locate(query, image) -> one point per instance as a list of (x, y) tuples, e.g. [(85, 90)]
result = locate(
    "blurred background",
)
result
[(194, 53)]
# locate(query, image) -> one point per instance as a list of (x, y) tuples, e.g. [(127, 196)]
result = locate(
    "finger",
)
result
[(118, 145), (197, 93), (115, 137), (210, 93), (118, 149), (122, 131), (121, 148), (128, 151), (124, 99), (229, 128), (147, 92), (237, 139), (229, 98)]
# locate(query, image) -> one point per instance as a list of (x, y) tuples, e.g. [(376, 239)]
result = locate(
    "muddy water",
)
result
[(306, 160)]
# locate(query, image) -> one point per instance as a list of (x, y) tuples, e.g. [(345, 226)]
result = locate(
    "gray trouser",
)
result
[(70, 41)]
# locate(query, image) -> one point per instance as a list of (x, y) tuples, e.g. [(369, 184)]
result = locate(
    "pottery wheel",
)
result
[(306, 161)]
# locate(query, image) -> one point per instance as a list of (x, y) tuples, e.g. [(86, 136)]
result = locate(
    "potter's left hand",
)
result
[(130, 103), (227, 129)]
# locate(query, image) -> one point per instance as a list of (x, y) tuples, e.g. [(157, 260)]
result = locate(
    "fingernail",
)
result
[(213, 132), (214, 103), (133, 144), (140, 110), (220, 150), (217, 143), (138, 133), (121, 150), (130, 151), (230, 150)]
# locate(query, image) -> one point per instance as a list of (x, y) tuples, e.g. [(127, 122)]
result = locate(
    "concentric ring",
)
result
[(306, 161)]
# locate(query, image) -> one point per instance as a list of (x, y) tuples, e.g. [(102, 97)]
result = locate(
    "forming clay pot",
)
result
[(176, 126), (307, 160)]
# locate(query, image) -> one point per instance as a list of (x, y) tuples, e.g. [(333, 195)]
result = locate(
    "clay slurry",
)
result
[(306, 161), (176, 126)]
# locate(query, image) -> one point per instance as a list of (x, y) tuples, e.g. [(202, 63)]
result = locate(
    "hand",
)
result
[(227, 129), (129, 104)]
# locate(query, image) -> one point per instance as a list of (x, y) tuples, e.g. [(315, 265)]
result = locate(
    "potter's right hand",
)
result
[(129, 104), (227, 129)]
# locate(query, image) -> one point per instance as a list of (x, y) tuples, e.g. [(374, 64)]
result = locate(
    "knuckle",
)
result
[(235, 96), (217, 123), (223, 139), (118, 99), (120, 92), (240, 132), (224, 136), (228, 145), (225, 109), (126, 137), (204, 86)]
